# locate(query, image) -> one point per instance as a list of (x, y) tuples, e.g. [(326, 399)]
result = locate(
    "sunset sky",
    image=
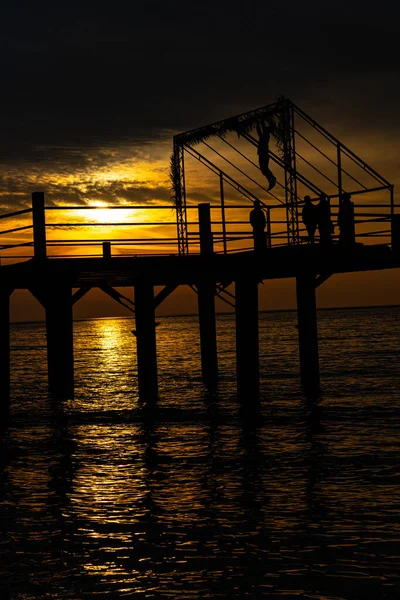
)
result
[(91, 97)]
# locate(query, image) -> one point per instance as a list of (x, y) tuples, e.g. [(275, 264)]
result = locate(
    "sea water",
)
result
[(102, 500)]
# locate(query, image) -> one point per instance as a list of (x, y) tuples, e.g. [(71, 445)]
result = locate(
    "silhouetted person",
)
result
[(258, 223), (264, 134), (325, 225), (347, 235), (309, 216)]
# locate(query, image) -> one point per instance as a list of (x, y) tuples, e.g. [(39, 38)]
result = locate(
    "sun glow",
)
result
[(103, 214), (93, 200)]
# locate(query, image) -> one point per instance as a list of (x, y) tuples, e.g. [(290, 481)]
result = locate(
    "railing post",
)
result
[(206, 237), (206, 303), (269, 240), (106, 250), (391, 200), (395, 221), (39, 225), (339, 165), (221, 186)]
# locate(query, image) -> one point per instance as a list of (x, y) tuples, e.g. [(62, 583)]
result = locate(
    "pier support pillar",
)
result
[(5, 354), (146, 342), (247, 343), (308, 334), (60, 345), (208, 332), (206, 303)]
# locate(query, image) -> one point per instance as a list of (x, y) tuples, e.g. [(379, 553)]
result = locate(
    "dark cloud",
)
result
[(86, 192), (76, 79)]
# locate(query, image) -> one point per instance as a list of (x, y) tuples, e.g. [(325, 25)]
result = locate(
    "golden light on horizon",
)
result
[(101, 212)]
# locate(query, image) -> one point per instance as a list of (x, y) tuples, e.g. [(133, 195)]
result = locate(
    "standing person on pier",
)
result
[(345, 221), (258, 223), (325, 225), (264, 134), (309, 216)]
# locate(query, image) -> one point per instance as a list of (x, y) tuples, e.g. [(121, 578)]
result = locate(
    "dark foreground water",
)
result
[(99, 501)]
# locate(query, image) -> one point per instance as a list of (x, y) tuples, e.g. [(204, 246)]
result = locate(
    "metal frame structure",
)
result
[(241, 124), (177, 173), (282, 118), (289, 157)]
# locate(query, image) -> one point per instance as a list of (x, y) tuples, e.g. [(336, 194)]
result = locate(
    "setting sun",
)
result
[(99, 213)]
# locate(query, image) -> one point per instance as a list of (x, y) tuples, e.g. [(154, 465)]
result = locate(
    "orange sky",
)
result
[(140, 176)]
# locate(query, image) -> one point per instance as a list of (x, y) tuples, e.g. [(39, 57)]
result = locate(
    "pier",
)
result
[(208, 245)]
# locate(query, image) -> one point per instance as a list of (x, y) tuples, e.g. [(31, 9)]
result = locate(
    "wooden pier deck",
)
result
[(272, 263)]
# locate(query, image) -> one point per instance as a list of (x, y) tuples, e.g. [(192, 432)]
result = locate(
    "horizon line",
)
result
[(269, 310)]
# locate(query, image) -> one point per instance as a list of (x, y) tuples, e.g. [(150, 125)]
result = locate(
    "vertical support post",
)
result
[(39, 225), (294, 175), (5, 354), (247, 343), (289, 151), (179, 186), (395, 222), (206, 304), (308, 333), (391, 200), (146, 342), (60, 343), (107, 250), (269, 240), (222, 194), (206, 237), (339, 165)]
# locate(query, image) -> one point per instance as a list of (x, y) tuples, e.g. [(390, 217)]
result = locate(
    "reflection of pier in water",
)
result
[(208, 253)]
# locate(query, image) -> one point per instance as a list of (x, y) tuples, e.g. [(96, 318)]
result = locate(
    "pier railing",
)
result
[(16, 235), (85, 231)]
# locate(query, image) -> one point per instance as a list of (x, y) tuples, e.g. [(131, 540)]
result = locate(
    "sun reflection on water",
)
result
[(103, 499)]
